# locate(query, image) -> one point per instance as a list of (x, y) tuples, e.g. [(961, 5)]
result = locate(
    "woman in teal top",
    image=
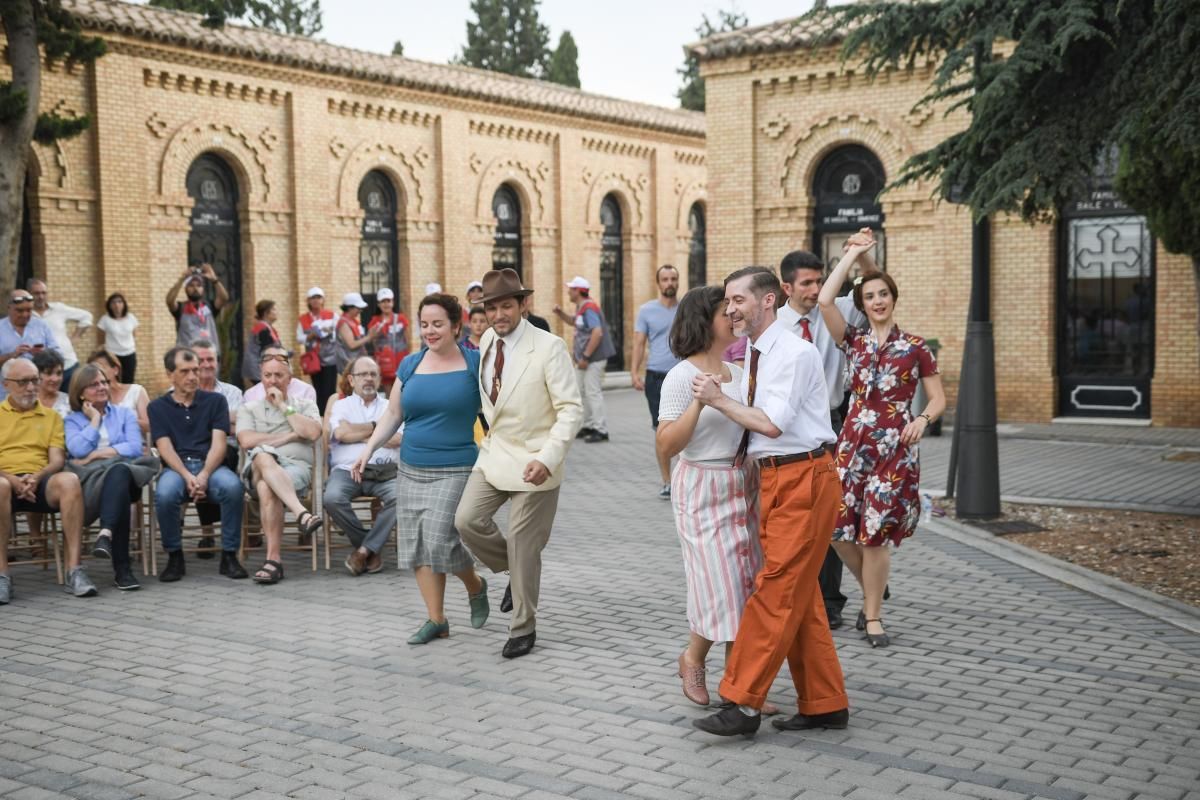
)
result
[(437, 397)]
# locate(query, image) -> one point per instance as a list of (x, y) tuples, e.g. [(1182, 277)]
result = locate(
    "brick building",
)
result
[(1092, 317), (289, 162)]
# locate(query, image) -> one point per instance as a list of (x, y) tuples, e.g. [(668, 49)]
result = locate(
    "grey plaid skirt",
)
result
[(426, 499)]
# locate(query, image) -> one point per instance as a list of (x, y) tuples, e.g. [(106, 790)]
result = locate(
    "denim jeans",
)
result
[(224, 488)]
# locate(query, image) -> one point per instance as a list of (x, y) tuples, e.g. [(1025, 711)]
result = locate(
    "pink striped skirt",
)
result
[(716, 515)]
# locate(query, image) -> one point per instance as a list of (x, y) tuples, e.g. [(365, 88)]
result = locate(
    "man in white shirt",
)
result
[(802, 274), (786, 417), (351, 423), (67, 323), (296, 390)]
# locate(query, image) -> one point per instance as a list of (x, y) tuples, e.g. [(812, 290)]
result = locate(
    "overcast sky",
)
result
[(627, 48)]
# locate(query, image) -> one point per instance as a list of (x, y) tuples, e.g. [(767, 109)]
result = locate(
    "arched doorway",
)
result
[(377, 262), (697, 248), (506, 246), (215, 239), (612, 278), (1105, 314), (846, 187), (25, 248)]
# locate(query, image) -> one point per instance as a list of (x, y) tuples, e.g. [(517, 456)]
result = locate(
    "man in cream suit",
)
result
[(533, 410)]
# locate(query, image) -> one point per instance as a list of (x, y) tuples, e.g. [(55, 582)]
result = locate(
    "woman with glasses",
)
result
[(50, 369), (104, 443), (126, 395)]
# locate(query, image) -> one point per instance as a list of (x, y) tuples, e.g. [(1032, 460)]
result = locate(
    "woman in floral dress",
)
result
[(877, 449)]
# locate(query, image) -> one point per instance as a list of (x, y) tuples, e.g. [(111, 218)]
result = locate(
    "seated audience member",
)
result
[(350, 425), (277, 433), (127, 395), (188, 426), (32, 456), (210, 368), (296, 388), (105, 445), (50, 369)]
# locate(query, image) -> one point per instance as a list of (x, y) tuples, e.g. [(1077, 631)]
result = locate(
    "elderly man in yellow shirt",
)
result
[(32, 456)]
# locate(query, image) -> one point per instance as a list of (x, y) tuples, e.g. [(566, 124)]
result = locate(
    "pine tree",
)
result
[(691, 94), (564, 62), (506, 36), (298, 17), (398, 48)]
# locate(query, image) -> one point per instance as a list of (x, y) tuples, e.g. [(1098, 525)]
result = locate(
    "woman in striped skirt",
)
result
[(715, 503)]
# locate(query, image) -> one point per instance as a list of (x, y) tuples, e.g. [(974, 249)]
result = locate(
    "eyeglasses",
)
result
[(367, 374), (100, 384), (275, 357), (24, 382)]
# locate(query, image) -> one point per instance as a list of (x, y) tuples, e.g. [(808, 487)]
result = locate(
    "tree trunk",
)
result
[(16, 134)]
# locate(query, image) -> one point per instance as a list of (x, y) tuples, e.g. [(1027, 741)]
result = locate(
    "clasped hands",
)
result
[(706, 387), (861, 242)]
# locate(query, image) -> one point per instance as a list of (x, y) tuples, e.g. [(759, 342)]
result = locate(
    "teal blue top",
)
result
[(439, 419)]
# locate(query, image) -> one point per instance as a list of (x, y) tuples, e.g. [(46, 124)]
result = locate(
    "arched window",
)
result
[(377, 267), (697, 248), (506, 246), (846, 186), (215, 239), (612, 277)]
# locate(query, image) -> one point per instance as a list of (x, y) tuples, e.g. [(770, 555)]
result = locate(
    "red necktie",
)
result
[(497, 371), (744, 445), (805, 331)]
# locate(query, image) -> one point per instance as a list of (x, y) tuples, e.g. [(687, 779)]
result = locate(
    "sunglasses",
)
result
[(274, 357), (22, 298)]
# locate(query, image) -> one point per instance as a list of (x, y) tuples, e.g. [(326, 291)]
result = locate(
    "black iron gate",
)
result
[(215, 239), (697, 248), (612, 278), (506, 244), (377, 263)]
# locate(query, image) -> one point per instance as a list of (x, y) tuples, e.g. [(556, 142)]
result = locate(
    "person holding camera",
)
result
[(196, 319)]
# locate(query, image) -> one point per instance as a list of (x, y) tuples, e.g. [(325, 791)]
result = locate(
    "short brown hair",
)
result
[(447, 301), (691, 332), (83, 378), (262, 308), (105, 356), (873, 275), (763, 281)]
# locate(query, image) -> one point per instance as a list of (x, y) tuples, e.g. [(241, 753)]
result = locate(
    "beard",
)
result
[(670, 291)]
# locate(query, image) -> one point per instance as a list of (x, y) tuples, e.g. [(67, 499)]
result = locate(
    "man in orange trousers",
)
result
[(786, 417)]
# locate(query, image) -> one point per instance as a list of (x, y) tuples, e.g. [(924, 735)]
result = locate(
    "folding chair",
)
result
[(36, 545)]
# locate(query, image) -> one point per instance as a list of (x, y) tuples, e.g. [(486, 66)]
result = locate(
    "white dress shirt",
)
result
[(791, 391), (832, 357), (354, 411), (57, 315), (487, 364)]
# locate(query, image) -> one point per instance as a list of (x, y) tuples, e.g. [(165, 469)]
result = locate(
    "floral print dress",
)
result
[(880, 475)]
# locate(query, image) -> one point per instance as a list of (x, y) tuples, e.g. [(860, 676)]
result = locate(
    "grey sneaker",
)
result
[(665, 492), (79, 584), (5, 590)]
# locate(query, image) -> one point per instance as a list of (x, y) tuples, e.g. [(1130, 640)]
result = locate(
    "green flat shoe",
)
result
[(479, 605), (429, 631)]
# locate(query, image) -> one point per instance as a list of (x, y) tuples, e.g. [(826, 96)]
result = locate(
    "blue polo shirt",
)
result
[(189, 427)]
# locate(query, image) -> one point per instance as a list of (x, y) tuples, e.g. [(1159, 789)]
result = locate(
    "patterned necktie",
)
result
[(744, 445), (805, 331), (497, 371)]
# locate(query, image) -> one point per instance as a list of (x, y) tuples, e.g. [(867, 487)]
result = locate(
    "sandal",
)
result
[(309, 523), (876, 639), (274, 572)]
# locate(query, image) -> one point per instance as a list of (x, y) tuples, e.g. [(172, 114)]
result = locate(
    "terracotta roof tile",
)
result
[(784, 34), (183, 29)]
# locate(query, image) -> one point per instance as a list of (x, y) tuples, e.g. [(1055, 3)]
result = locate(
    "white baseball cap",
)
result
[(354, 299), (578, 282), (433, 288), (315, 291), (385, 294), (474, 285)]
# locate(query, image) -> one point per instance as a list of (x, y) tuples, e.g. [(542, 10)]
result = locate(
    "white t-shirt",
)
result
[(352, 409), (118, 334), (716, 436)]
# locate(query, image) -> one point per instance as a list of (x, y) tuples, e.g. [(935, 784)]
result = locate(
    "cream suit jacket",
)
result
[(536, 415)]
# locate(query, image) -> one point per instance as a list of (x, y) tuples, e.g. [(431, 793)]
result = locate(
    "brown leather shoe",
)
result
[(356, 562), (375, 563), (693, 682)]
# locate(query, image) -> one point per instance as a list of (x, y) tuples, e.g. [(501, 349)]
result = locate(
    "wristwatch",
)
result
[(287, 412)]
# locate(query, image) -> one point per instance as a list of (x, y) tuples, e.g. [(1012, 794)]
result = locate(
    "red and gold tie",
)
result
[(805, 331), (497, 371), (744, 445)]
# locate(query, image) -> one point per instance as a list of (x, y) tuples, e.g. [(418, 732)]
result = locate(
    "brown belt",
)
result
[(778, 461)]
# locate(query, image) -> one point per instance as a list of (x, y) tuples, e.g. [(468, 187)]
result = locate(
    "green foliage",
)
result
[(298, 17), (691, 94), (564, 62), (1049, 87), (398, 48), (216, 12), (506, 36)]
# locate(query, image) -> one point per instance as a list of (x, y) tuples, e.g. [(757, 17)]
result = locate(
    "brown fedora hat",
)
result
[(501, 283)]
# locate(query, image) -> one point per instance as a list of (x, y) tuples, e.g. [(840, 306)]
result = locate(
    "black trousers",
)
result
[(118, 493), (128, 367), (830, 577), (325, 384)]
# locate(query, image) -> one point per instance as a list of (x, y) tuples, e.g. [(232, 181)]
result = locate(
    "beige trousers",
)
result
[(530, 517)]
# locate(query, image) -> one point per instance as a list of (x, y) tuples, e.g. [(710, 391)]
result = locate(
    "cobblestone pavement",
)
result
[(1002, 683)]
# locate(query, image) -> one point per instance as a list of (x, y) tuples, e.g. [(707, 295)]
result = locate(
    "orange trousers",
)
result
[(785, 617)]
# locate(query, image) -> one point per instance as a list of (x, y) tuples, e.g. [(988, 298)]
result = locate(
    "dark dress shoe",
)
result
[(506, 601), (584, 433), (205, 544), (356, 562), (175, 568), (729, 722), (835, 618), (596, 436), (519, 646), (230, 566), (834, 721)]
